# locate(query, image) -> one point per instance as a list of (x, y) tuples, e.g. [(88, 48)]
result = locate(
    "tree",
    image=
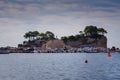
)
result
[(31, 35), (91, 30), (43, 36), (35, 34), (77, 36), (50, 35), (64, 38), (71, 37), (28, 35), (20, 45), (101, 31), (81, 32)]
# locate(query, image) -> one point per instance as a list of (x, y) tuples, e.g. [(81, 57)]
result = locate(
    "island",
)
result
[(91, 40)]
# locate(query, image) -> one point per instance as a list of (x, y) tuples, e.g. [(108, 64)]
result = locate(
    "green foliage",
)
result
[(35, 38), (89, 31), (77, 36), (64, 38), (93, 31), (72, 38), (101, 31), (20, 45), (50, 35), (43, 36), (31, 35), (28, 35), (34, 35)]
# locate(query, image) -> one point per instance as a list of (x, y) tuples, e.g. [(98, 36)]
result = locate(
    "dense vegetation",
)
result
[(89, 31), (33, 35), (36, 38)]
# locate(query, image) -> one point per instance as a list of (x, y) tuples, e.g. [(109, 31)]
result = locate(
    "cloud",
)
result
[(31, 9), (63, 17)]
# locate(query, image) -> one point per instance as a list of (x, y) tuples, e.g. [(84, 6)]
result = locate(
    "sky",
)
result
[(62, 17)]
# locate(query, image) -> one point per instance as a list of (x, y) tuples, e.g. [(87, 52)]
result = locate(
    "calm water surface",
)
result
[(59, 66)]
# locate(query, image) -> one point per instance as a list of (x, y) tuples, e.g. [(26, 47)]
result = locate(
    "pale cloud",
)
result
[(11, 21), (56, 8), (63, 17)]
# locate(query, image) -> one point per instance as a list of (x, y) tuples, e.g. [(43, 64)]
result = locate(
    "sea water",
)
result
[(64, 66)]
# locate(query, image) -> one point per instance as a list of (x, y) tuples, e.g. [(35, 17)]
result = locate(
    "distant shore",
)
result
[(56, 50)]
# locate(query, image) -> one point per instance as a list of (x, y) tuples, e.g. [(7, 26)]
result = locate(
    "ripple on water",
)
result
[(59, 67), (66, 79)]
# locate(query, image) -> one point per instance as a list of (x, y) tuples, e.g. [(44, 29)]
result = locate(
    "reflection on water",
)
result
[(59, 67)]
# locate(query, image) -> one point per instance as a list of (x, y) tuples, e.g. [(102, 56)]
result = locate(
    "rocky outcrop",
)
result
[(96, 42), (55, 43)]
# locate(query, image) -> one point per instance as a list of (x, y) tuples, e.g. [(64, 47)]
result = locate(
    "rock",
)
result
[(55, 43), (99, 42)]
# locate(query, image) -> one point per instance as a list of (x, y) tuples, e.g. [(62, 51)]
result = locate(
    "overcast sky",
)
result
[(62, 17)]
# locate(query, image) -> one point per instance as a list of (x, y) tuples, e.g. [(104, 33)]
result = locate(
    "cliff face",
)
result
[(99, 42), (56, 43)]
